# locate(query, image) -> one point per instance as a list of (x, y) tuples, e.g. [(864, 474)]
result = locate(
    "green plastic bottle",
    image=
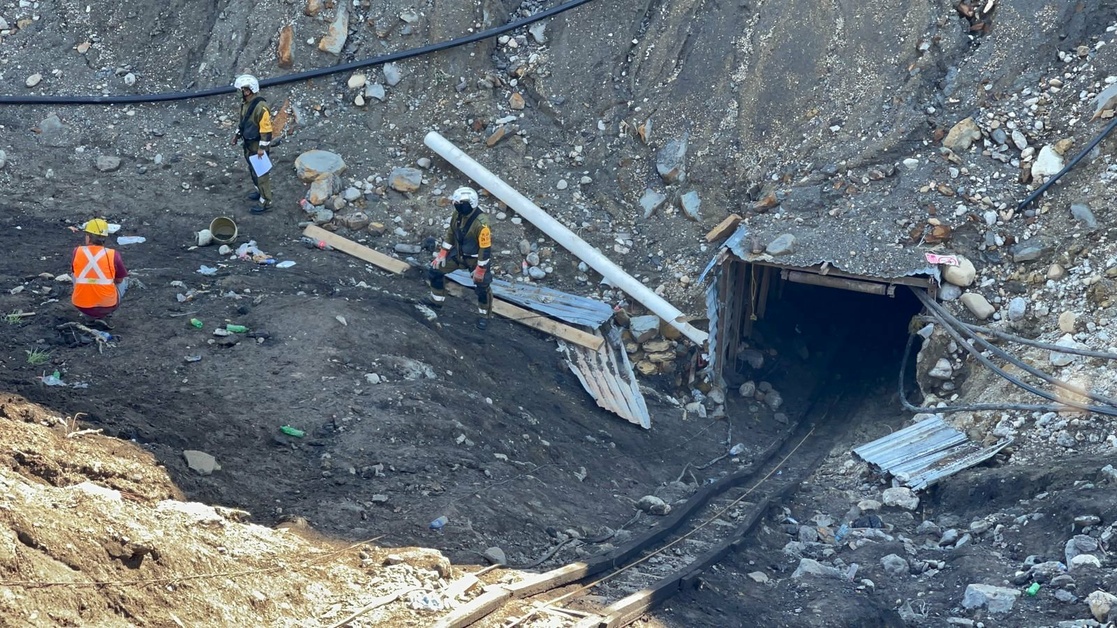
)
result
[(291, 431), (236, 329), (196, 322)]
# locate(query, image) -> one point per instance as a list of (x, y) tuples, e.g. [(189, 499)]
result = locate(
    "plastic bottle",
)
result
[(236, 329), (291, 431), (438, 523), (1032, 590), (316, 244), (196, 323)]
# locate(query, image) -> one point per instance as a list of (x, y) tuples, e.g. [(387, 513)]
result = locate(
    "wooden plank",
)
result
[(480, 606), (546, 325), (724, 228), (360, 251), (548, 580)]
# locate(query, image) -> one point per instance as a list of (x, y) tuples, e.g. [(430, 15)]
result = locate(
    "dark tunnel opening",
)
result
[(811, 335)]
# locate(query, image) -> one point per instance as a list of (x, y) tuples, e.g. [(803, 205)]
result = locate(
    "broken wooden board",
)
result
[(360, 251), (724, 228)]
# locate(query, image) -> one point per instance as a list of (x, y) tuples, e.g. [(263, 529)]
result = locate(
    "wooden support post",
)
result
[(724, 228), (765, 285)]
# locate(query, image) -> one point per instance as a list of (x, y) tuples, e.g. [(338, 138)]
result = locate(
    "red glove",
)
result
[(440, 259), (479, 274)]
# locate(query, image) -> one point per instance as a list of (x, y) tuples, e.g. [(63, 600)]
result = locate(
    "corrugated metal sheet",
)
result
[(571, 308), (713, 312), (924, 453), (607, 376)]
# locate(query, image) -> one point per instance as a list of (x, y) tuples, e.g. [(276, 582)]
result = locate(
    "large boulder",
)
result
[(961, 275), (335, 38), (993, 599), (315, 163)]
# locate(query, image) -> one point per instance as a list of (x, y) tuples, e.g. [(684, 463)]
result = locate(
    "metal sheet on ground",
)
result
[(608, 377)]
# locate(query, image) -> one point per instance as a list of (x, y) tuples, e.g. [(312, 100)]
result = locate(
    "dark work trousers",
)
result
[(437, 278), (263, 184)]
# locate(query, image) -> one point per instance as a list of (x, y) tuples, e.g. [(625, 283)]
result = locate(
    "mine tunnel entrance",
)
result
[(798, 328)]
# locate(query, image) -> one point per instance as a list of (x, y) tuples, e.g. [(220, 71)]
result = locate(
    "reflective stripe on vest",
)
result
[(93, 273)]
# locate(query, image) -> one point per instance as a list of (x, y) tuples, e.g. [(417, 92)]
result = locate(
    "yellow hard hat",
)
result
[(98, 227)]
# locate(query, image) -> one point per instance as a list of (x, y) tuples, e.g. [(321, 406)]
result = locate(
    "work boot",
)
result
[(253, 196), (482, 323), (259, 208), (433, 302)]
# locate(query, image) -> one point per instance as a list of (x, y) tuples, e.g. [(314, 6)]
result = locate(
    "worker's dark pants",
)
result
[(263, 184), (437, 278)]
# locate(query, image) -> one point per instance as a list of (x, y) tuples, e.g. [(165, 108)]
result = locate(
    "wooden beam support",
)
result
[(360, 251), (724, 228)]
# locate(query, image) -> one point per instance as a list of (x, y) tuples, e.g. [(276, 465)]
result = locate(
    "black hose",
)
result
[(293, 78), (977, 407), (931, 305), (1073, 162), (981, 329), (949, 319)]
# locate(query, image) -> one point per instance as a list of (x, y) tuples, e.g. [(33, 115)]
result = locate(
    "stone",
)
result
[(811, 567), (1017, 308), (562, 184), (753, 357), (129, 79), (497, 135), (421, 558), (773, 400), (373, 378), (1019, 140), (651, 201), (377, 91), (200, 461), (357, 81), (33, 80), (516, 101), (323, 216), (670, 162), (536, 272), (941, 370), (532, 258), (1058, 358), (949, 292), (1031, 250), (1067, 321), (962, 275), (322, 189), (962, 135), (405, 179), (356, 221), (895, 566), (1081, 212), (996, 600), (284, 55), (653, 505), (782, 245), (408, 249), (312, 8), (1101, 604), (359, 100), (900, 497), (1085, 560), (643, 328), (1077, 545), (1047, 163), (911, 163), (1055, 272), (747, 390), (351, 194), (977, 305), (759, 577), (690, 204), (495, 556), (524, 246), (3, 159), (337, 33), (315, 163), (53, 132), (108, 163), (392, 74)]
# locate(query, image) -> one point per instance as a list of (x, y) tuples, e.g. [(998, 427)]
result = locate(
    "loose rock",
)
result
[(338, 32), (961, 275), (315, 163), (977, 305), (671, 160), (783, 245), (405, 179)]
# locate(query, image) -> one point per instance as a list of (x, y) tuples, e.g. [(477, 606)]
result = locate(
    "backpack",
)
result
[(249, 130)]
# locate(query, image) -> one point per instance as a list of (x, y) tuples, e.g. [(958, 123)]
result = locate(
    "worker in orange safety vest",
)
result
[(100, 277)]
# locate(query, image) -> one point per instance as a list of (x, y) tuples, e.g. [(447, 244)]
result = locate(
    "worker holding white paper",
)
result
[(255, 129)]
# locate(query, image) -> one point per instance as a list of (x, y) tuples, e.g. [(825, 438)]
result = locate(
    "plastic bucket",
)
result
[(224, 230)]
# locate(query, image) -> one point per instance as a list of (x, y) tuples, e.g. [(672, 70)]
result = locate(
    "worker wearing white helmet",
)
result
[(255, 129), (468, 244)]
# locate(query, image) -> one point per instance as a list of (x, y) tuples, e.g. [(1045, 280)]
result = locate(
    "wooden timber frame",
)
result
[(745, 288)]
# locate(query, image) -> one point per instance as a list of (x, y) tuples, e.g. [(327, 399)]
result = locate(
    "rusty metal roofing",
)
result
[(851, 251), (555, 303), (607, 376), (924, 453)]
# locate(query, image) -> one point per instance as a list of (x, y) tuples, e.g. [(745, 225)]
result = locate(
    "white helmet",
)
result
[(465, 194), (249, 81)]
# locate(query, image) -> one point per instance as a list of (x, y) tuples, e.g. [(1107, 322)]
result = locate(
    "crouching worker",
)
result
[(468, 245), (100, 278)]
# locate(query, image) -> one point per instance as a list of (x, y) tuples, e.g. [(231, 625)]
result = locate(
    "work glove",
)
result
[(440, 259), (479, 274)]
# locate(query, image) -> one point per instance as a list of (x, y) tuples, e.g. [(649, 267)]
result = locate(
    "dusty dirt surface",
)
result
[(817, 119)]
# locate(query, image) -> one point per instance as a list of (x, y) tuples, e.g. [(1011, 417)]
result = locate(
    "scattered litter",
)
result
[(221, 331), (341, 319), (55, 379), (425, 601), (178, 284), (113, 228), (196, 322), (291, 431), (206, 270), (736, 450), (124, 240), (285, 264), (193, 358), (438, 523), (316, 244), (1032, 590), (236, 329), (249, 251), (949, 260)]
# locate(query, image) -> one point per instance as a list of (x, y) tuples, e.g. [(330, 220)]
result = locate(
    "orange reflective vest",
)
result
[(94, 277)]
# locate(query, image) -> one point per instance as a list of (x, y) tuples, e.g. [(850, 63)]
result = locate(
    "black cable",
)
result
[(928, 302), (949, 319), (1073, 162), (977, 407), (981, 329), (293, 78)]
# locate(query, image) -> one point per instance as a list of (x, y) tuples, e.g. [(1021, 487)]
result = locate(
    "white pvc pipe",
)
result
[(559, 233)]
